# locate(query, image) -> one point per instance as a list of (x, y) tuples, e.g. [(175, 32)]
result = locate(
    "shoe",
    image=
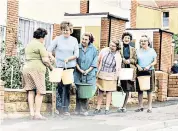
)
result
[(119, 109), (97, 111), (77, 113), (124, 110), (149, 111), (40, 117), (139, 110), (84, 113), (106, 112), (66, 114)]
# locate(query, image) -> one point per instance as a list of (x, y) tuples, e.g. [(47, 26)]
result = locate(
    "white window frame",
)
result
[(165, 27)]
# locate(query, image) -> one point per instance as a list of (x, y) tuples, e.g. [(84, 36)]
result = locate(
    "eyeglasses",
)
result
[(143, 40), (112, 45)]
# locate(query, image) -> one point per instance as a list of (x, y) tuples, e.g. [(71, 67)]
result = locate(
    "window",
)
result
[(2, 33), (77, 33), (27, 27), (165, 19)]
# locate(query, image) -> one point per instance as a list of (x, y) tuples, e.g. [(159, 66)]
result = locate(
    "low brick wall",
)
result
[(16, 104), (173, 85), (1, 101)]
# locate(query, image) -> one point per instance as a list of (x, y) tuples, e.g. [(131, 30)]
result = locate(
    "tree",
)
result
[(175, 38)]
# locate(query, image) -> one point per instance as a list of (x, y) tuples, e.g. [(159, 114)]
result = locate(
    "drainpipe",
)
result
[(160, 31), (109, 30)]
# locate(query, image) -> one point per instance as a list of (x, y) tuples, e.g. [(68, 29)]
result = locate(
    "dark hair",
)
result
[(118, 44), (91, 38), (40, 33), (127, 34), (149, 41), (66, 24)]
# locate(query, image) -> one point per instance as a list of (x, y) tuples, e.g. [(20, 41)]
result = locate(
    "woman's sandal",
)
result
[(139, 110), (149, 111), (40, 118)]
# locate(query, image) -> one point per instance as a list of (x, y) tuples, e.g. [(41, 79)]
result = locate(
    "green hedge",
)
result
[(15, 64)]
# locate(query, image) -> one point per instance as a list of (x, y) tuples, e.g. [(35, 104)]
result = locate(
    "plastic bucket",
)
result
[(144, 82), (67, 76), (126, 74), (118, 99), (85, 90), (55, 75)]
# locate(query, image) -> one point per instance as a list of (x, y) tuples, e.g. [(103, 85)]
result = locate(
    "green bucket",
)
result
[(85, 90)]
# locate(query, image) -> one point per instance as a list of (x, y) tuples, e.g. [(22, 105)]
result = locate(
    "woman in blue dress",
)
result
[(86, 70)]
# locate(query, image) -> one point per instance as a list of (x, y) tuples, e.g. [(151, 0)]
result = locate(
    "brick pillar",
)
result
[(56, 30), (133, 13), (173, 85), (117, 28), (1, 100), (84, 6), (12, 27), (162, 79), (104, 33), (156, 46)]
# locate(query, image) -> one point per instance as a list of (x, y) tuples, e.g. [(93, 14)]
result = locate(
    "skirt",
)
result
[(128, 86), (152, 80), (32, 80)]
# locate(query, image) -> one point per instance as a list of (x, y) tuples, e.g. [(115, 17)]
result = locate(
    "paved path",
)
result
[(112, 122)]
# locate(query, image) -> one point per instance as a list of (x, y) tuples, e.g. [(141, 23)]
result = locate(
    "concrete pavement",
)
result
[(113, 122)]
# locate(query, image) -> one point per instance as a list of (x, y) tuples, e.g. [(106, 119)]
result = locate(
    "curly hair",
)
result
[(40, 33), (118, 44), (91, 38), (66, 24), (149, 41), (127, 34)]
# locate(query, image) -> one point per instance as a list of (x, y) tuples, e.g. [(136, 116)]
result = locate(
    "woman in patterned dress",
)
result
[(34, 72), (109, 64)]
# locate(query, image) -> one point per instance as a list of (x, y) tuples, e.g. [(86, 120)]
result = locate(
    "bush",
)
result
[(11, 68)]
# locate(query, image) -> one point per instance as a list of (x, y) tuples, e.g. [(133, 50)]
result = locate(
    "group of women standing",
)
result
[(89, 67)]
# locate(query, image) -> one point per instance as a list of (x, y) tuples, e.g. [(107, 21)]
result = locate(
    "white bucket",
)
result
[(126, 74), (55, 75), (118, 99), (144, 82), (67, 76)]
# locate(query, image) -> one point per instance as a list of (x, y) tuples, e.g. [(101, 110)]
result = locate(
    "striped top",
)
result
[(109, 63)]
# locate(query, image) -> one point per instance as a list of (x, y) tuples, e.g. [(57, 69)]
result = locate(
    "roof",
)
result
[(159, 3), (150, 29), (104, 14)]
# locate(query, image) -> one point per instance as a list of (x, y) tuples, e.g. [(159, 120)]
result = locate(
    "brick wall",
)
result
[(173, 85), (56, 30), (166, 50), (1, 101), (133, 13), (162, 83), (117, 28), (156, 46), (104, 32), (12, 27), (84, 6)]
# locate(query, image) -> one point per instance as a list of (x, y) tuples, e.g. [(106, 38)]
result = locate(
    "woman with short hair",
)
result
[(146, 59), (86, 70), (109, 65), (129, 60), (66, 51), (36, 61)]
